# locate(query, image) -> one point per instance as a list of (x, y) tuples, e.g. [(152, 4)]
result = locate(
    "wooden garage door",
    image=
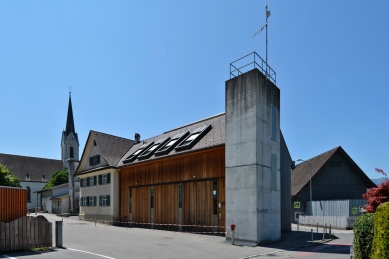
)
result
[(141, 206), (166, 206), (197, 206)]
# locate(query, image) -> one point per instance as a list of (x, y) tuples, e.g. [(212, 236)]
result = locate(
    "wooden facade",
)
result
[(184, 192), (13, 203)]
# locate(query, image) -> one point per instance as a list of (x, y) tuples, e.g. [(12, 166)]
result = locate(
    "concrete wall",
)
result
[(286, 185), (253, 197)]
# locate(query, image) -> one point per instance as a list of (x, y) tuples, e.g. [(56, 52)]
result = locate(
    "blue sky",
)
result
[(150, 66)]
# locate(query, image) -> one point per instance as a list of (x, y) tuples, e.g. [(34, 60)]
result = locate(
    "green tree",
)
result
[(59, 177), (7, 178)]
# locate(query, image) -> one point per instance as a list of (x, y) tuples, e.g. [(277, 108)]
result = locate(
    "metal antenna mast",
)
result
[(263, 27)]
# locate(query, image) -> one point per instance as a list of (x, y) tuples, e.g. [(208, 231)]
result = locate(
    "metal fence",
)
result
[(343, 208), (250, 61), (13, 203)]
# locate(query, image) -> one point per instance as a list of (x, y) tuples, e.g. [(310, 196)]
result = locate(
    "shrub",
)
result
[(363, 236), (376, 196), (380, 247)]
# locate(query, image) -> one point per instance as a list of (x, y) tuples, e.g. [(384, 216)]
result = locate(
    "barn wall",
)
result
[(336, 183)]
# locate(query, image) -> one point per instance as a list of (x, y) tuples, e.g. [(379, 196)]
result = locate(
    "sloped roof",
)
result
[(301, 174), (112, 148), (215, 137), (33, 166)]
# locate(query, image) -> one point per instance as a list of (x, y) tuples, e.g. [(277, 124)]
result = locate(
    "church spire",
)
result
[(70, 121)]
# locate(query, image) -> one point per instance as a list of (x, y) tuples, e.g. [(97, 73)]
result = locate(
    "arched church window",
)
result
[(28, 194), (71, 152)]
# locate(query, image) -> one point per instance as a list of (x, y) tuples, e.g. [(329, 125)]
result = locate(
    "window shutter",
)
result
[(95, 201), (109, 178), (95, 180), (100, 179), (87, 200), (108, 200), (100, 198), (81, 201), (98, 159), (90, 161), (88, 181)]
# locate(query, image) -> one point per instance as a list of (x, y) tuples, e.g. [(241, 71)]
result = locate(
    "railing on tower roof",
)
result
[(241, 66)]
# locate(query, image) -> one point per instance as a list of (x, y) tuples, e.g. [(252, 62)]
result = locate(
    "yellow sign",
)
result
[(296, 204), (355, 210)]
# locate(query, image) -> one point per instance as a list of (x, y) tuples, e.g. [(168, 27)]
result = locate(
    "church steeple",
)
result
[(69, 143), (70, 120)]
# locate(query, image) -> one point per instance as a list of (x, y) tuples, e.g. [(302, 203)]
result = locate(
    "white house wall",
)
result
[(91, 150), (34, 186), (112, 189)]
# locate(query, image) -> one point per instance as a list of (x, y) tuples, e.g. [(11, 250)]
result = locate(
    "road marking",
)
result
[(6, 256), (90, 253), (269, 253)]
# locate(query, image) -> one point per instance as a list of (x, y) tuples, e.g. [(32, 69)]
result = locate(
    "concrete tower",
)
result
[(253, 197), (70, 155)]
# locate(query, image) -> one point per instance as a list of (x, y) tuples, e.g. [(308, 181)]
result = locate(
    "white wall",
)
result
[(34, 186)]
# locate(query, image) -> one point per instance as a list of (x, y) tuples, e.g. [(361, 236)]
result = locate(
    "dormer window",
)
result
[(27, 177), (43, 178), (193, 138), (149, 152), (134, 155), (169, 146), (94, 160)]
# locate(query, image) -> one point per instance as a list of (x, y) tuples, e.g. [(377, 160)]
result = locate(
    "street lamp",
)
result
[(310, 182)]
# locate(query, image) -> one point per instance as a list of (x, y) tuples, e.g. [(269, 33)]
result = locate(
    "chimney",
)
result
[(137, 138)]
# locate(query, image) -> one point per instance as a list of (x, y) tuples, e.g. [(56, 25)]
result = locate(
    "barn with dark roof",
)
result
[(335, 176)]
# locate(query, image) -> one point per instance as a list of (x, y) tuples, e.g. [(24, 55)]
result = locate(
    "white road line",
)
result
[(6, 256), (90, 253)]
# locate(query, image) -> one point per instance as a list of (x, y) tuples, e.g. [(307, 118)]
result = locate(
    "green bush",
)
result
[(380, 247), (363, 236)]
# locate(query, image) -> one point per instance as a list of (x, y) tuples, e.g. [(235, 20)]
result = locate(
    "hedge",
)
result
[(380, 247), (363, 236)]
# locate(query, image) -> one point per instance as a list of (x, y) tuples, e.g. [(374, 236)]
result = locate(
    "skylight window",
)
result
[(149, 152), (193, 138), (134, 155), (169, 146)]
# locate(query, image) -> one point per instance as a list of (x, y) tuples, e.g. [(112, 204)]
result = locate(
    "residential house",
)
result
[(99, 177)]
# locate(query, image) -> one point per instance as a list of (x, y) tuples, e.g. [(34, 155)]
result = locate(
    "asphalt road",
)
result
[(85, 240)]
